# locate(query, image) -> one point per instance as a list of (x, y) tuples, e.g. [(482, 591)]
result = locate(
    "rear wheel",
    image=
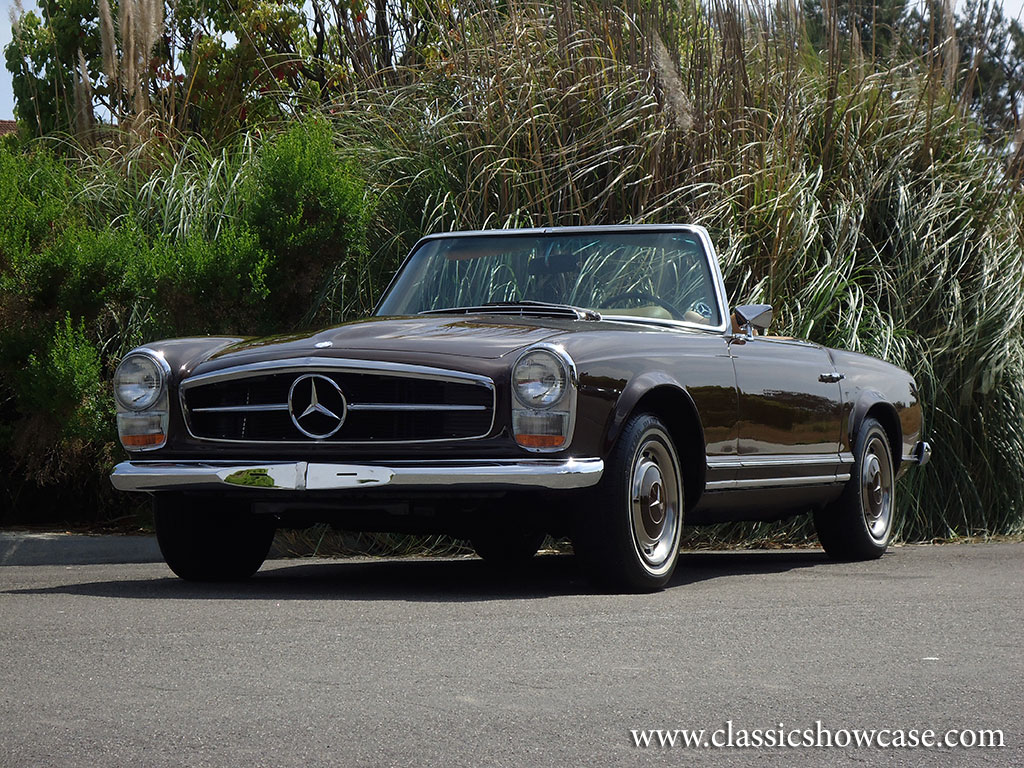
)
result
[(859, 524), (211, 539), (627, 537)]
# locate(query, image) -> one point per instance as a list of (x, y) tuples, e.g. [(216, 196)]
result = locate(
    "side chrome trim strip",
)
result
[(301, 475), (776, 482), (775, 460)]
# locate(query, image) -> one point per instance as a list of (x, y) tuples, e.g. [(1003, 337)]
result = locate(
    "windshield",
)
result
[(653, 274)]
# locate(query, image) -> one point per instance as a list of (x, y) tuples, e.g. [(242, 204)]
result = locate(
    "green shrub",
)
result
[(65, 383), (81, 272), (308, 206), (195, 285), (145, 243), (56, 445), (36, 190), (57, 451)]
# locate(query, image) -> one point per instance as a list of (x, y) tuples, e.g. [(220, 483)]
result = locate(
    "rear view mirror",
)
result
[(754, 316)]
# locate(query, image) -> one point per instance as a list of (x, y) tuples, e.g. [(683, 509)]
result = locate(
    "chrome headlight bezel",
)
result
[(142, 422), (158, 374), (552, 418), (554, 362)]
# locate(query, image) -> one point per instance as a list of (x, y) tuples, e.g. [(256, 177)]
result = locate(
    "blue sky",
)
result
[(6, 96), (1011, 8)]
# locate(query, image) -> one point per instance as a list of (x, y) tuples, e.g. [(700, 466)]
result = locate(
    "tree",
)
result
[(992, 47), (53, 55), (876, 25), (208, 66)]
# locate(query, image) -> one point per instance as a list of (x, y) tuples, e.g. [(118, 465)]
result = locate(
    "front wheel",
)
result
[(627, 537), (859, 524), (211, 540)]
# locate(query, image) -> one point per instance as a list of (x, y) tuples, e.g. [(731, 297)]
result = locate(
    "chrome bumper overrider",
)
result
[(922, 453), (310, 476)]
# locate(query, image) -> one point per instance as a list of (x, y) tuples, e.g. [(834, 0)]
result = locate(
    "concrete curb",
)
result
[(29, 548)]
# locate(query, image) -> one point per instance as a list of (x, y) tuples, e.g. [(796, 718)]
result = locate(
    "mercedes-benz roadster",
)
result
[(589, 382)]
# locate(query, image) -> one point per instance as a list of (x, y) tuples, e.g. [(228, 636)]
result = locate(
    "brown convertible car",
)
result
[(589, 382)]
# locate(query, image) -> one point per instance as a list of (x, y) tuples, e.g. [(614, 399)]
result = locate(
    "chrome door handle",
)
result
[(831, 378)]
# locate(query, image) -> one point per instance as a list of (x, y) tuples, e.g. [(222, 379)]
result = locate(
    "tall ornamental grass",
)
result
[(852, 194)]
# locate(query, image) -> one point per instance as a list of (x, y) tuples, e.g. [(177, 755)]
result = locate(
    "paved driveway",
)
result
[(441, 662)]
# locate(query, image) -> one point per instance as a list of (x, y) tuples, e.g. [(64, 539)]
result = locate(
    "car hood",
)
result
[(481, 337)]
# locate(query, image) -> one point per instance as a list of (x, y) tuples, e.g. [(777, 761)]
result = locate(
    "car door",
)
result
[(789, 412)]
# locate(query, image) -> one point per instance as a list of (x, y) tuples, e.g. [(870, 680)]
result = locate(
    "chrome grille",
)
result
[(382, 403)]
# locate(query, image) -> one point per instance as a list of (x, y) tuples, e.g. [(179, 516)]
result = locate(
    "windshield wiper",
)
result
[(538, 308)]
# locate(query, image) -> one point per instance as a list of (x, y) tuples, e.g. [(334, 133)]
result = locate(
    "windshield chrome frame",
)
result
[(615, 229)]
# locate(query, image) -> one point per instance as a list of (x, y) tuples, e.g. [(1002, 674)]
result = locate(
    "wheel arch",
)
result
[(665, 398), (873, 405)]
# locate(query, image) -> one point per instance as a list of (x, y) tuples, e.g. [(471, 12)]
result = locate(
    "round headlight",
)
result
[(540, 379), (138, 382)]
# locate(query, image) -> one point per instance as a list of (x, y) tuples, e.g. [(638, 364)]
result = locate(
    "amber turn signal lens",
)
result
[(540, 441), (144, 431), (141, 441)]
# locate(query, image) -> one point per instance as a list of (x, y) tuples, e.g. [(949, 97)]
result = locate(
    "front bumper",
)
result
[(310, 476)]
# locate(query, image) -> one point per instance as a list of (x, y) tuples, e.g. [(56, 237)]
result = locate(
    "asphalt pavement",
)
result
[(443, 662)]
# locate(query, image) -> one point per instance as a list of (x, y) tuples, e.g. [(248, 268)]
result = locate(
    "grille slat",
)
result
[(382, 407)]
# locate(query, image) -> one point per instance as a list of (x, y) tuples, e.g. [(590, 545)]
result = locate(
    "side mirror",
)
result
[(751, 316)]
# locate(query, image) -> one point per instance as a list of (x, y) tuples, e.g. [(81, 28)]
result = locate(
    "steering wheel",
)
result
[(673, 310)]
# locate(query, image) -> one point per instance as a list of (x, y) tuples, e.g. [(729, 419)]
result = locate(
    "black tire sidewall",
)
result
[(605, 528), (871, 428), (842, 529)]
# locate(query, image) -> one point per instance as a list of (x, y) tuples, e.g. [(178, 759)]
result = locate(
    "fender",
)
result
[(184, 355), (866, 400), (664, 394), (635, 389)]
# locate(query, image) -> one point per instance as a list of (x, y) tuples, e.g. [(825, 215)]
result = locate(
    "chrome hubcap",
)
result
[(876, 489), (655, 503)]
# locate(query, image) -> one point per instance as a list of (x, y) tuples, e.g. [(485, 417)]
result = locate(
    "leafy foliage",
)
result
[(43, 58), (847, 173), (307, 206), (104, 252), (66, 384)]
